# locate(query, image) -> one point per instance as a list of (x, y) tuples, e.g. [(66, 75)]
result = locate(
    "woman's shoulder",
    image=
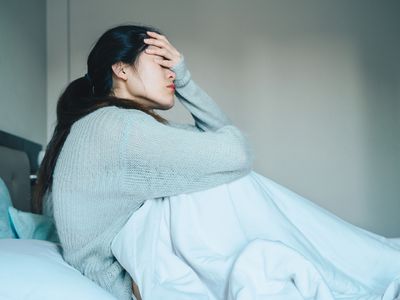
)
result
[(110, 114), (116, 111), (113, 121), (140, 119), (100, 131)]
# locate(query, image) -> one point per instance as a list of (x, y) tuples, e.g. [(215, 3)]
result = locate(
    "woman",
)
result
[(110, 152)]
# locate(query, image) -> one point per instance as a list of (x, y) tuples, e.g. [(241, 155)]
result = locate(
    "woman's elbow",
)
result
[(245, 156), (243, 152)]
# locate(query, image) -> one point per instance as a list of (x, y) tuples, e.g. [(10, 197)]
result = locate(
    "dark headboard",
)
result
[(18, 168)]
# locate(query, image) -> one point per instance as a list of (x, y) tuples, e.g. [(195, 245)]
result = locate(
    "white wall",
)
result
[(23, 69), (58, 57), (314, 84)]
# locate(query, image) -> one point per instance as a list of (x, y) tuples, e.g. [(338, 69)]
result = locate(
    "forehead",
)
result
[(145, 58), (144, 55)]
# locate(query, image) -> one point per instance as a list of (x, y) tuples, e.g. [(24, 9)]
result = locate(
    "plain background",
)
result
[(314, 84)]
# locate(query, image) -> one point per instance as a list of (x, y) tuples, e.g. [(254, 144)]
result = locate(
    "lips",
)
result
[(172, 86)]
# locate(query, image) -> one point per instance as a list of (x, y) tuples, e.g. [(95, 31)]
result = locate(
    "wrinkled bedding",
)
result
[(253, 239)]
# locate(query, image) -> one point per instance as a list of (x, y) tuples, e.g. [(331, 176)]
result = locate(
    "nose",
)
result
[(171, 74)]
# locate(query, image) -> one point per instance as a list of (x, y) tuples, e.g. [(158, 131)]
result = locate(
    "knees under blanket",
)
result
[(253, 239)]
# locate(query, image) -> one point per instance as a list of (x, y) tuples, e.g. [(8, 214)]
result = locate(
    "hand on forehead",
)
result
[(161, 47)]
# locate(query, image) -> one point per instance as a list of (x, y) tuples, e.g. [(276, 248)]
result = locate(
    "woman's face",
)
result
[(147, 83)]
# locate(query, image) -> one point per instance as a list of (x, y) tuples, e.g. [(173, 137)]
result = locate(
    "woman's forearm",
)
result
[(206, 112)]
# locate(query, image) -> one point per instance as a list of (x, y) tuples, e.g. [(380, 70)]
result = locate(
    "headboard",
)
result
[(18, 168)]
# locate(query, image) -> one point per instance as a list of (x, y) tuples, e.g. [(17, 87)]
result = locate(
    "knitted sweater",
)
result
[(114, 159)]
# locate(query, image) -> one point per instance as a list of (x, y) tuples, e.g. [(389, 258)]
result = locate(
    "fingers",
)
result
[(159, 45), (159, 51), (156, 35), (164, 62), (159, 40)]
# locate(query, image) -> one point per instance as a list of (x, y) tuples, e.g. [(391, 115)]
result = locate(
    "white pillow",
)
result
[(35, 270)]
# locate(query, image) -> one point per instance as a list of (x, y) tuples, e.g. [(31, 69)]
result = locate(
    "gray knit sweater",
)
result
[(114, 159)]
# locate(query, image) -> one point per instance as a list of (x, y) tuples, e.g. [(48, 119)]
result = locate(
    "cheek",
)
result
[(136, 87), (154, 80)]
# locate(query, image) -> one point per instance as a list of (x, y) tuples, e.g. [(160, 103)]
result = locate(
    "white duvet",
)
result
[(253, 239)]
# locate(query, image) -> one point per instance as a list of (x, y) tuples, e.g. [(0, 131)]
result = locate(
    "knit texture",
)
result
[(114, 159)]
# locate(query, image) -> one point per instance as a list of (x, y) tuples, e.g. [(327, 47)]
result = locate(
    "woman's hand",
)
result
[(159, 45)]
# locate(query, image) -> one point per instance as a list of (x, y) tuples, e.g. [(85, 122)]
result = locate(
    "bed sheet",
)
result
[(35, 270)]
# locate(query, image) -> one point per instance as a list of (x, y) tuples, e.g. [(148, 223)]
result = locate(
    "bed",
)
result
[(32, 266), (31, 263)]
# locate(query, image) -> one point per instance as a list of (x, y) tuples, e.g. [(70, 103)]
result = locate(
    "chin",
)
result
[(168, 105)]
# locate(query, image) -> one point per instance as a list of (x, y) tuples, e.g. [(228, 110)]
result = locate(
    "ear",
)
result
[(119, 70)]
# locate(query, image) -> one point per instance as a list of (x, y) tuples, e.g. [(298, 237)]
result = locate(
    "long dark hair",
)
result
[(90, 92)]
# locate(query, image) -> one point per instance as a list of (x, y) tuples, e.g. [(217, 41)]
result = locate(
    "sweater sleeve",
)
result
[(160, 160), (207, 115)]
